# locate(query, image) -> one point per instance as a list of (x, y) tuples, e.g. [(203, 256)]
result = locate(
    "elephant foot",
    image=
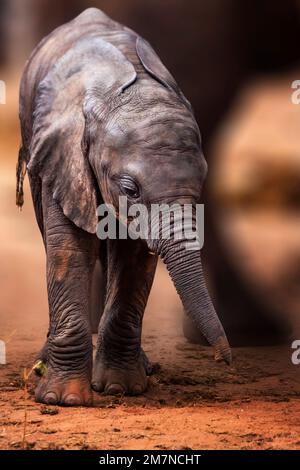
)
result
[(123, 380), (149, 367), (58, 388)]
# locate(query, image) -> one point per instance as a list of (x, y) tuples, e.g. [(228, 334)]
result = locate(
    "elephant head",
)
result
[(112, 127)]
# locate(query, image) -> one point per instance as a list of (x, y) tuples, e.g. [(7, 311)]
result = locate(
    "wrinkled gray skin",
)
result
[(102, 117)]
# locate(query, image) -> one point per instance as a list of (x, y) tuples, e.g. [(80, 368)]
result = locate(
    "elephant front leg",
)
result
[(120, 365), (70, 260)]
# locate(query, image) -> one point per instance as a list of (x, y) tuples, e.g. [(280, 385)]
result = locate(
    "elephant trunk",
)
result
[(186, 272)]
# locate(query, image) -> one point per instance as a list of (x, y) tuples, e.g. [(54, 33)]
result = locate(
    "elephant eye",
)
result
[(129, 187)]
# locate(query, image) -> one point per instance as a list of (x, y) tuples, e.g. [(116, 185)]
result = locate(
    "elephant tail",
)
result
[(20, 173)]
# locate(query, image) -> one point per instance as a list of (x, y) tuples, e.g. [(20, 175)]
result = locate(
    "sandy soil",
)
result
[(191, 402)]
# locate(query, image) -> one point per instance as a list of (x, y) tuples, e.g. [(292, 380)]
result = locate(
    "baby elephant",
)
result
[(101, 118)]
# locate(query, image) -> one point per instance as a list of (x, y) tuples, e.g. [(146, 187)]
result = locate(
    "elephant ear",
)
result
[(156, 68), (92, 68)]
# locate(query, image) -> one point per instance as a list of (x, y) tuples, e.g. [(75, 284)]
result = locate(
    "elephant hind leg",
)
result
[(97, 295)]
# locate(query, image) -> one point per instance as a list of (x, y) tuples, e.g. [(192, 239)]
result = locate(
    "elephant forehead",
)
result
[(155, 130), (182, 169), (168, 177), (166, 134)]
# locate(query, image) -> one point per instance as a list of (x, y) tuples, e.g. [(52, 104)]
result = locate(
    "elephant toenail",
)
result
[(72, 400), (97, 386), (50, 398), (114, 389), (137, 389)]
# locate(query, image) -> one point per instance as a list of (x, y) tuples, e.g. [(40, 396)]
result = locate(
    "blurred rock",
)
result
[(255, 187)]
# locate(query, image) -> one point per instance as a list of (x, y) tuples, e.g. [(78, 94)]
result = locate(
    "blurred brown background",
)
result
[(235, 61)]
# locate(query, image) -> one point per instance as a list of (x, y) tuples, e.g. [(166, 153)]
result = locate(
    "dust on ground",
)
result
[(191, 403)]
